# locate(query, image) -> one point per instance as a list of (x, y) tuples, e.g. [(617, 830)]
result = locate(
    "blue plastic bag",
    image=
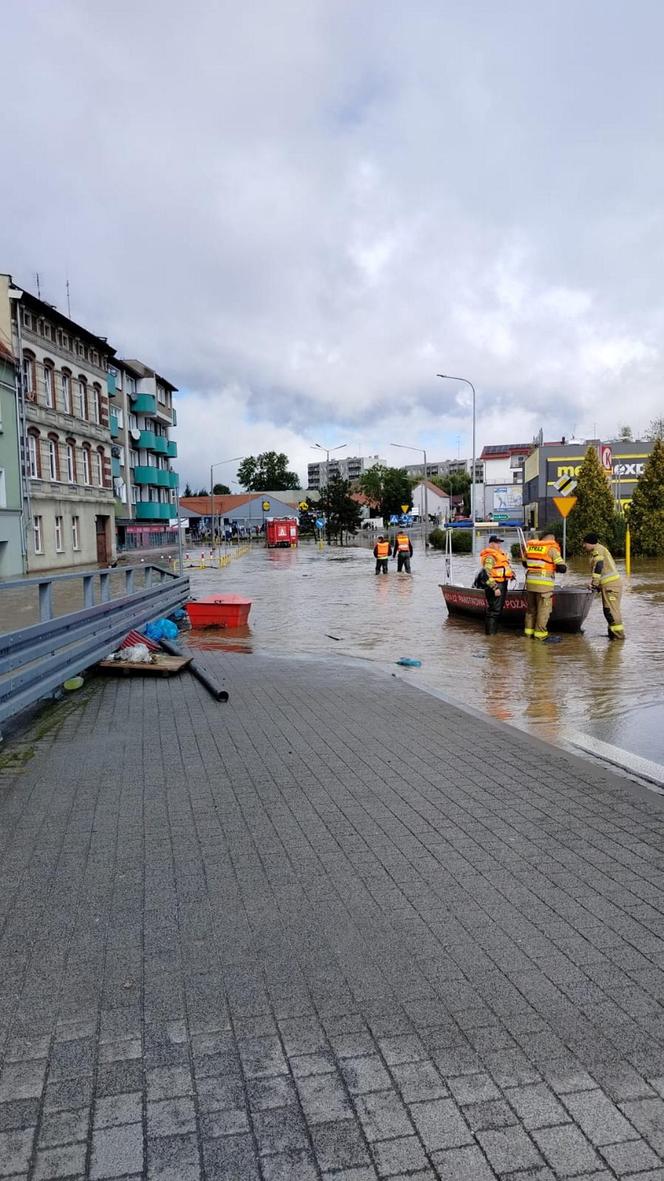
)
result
[(409, 662), (161, 629)]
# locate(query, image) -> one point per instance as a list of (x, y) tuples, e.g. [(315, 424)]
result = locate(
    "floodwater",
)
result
[(329, 603)]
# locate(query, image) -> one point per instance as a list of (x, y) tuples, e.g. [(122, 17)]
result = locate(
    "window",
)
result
[(27, 320), (94, 357), (59, 546), (134, 494), (49, 386), (53, 458), (71, 462), (98, 469), (66, 343), (83, 396), (97, 403), (75, 532), (3, 490), (86, 464), (65, 378), (58, 337), (34, 457), (37, 534), (47, 330), (29, 376)]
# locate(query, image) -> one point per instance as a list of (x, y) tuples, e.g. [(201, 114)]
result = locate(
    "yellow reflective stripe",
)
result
[(539, 581), (540, 635), (529, 631), (616, 627), (609, 578)]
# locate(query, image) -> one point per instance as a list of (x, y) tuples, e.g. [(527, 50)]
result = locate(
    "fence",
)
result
[(35, 660)]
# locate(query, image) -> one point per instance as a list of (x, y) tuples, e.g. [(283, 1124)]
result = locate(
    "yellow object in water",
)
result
[(73, 683)]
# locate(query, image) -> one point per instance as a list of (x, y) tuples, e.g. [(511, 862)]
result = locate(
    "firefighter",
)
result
[(497, 573), (403, 551), (605, 579), (381, 553), (541, 560)]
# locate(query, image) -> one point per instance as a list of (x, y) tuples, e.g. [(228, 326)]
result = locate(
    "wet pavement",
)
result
[(329, 603)]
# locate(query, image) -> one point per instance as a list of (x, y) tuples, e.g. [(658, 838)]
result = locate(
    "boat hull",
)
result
[(570, 606)]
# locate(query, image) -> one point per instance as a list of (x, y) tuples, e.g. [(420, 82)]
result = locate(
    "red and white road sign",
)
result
[(606, 456)]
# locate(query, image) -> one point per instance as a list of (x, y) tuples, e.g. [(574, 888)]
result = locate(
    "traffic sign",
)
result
[(565, 485), (606, 456), (500, 516), (266, 506), (320, 523), (303, 506), (394, 520), (404, 508), (564, 504), (406, 519)]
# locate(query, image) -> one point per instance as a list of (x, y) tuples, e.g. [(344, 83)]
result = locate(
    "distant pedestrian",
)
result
[(403, 551), (381, 552), (605, 579)]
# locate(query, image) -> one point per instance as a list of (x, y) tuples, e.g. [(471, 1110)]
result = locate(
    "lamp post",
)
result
[(407, 447), (448, 377), (327, 451), (219, 463)]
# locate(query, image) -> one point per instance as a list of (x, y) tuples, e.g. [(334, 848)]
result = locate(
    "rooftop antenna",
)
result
[(38, 286), (68, 299)]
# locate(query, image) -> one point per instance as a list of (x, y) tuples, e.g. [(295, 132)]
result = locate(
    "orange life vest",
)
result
[(403, 543), (382, 549), (501, 569), (540, 567)]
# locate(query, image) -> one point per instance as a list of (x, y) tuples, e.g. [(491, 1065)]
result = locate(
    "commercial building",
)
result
[(500, 496), (623, 462), (142, 417), (64, 431), (351, 467), (246, 510), (12, 538)]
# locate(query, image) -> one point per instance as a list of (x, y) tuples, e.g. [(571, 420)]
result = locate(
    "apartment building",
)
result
[(142, 417), (12, 540), (440, 467), (351, 467), (65, 443)]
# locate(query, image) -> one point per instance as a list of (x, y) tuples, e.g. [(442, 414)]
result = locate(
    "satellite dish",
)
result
[(135, 436)]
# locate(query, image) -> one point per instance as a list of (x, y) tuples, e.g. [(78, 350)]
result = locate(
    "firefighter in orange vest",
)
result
[(496, 574), (403, 551), (541, 559), (381, 552)]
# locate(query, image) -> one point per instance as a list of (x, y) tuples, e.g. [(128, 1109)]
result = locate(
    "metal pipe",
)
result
[(407, 447)]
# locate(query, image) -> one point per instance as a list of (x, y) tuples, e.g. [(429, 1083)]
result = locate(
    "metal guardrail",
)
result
[(35, 660)]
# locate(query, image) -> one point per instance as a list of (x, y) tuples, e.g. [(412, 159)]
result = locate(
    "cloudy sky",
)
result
[(301, 210)]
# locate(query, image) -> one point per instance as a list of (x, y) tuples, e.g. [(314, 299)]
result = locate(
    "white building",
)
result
[(438, 502), (351, 467), (501, 496), (65, 436)]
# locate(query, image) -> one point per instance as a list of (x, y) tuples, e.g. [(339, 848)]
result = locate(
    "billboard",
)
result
[(507, 497)]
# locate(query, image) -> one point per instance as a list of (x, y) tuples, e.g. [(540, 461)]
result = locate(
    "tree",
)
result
[(221, 490), (389, 487), (187, 490), (625, 434), (343, 514), (646, 512), (267, 472), (656, 429), (202, 492), (456, 484), (595, 510)]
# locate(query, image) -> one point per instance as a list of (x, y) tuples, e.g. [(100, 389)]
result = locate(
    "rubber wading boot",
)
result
[(553, 640)]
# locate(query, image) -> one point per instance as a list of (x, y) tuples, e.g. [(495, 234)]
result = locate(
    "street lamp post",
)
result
[(407, 447), (219, 463), (327, 451), (448, 377)]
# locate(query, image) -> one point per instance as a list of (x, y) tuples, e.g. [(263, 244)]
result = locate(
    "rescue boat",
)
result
[(570, 606)]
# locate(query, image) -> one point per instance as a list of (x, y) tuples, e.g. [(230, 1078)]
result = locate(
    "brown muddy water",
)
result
[(328, 603)]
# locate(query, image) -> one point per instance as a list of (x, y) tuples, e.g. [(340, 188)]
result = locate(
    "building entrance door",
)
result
[(102, 540)]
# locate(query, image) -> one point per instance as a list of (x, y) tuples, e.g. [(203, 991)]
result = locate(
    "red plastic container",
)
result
[(219, 611)]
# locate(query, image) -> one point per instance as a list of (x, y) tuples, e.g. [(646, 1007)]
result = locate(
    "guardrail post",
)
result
[(104, 588), (129, 582), (88, 591), (148, 576), (45, 601)]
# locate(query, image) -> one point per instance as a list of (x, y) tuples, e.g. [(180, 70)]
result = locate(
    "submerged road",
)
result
[(333, 929)]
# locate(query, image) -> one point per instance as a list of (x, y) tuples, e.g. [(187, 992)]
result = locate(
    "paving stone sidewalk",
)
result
[(335, 929)]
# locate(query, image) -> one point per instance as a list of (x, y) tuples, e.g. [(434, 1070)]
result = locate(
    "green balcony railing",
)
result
[(152, 510), (116, 470), (172, 479), (144, 404), (172, 449), (147, 440), (160, 445), (110, 385), (113, 424), (149, 474)]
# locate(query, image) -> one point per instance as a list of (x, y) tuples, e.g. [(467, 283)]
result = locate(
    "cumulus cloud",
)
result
[(300, 212)]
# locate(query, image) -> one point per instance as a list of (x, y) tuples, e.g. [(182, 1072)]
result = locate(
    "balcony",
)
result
[(172, 479), (149, 474), (114, 427), (151, 510), (143, 404), (110, 385), (160, 445), (147, 440), (116, 470), (172, 449)]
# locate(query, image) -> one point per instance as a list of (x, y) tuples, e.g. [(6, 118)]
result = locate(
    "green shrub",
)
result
[(462, 540)]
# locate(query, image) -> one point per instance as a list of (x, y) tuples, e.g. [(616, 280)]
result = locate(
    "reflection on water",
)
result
[(303, 598)]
